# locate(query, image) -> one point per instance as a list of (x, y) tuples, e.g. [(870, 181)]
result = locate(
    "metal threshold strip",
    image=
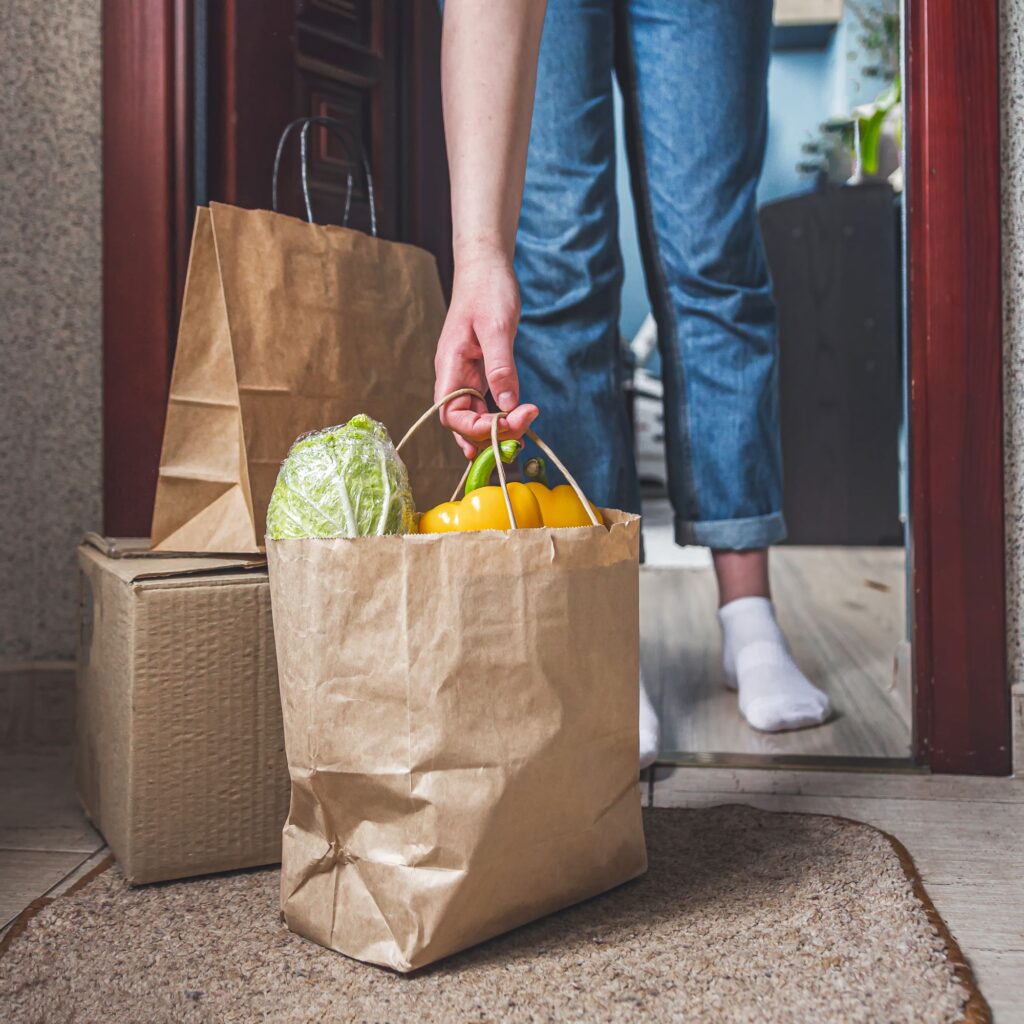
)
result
[(816, 762)]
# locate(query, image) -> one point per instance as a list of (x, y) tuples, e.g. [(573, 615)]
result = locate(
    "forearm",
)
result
[(489, 54), (489, 70)]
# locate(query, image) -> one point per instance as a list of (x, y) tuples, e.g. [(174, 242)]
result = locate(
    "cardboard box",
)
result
[(180, 760)]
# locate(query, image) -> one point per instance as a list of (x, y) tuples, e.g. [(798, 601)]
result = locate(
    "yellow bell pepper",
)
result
[(484, 509), (559, 506)]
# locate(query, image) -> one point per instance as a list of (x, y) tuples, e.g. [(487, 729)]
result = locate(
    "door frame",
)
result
[(961, 687), (145, 153)]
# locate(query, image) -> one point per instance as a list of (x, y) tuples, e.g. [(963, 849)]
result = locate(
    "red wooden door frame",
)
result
[(962, 701), (962, 696), (144, 192)]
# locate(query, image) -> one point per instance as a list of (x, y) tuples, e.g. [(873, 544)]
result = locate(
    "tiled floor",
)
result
[(44, 837)]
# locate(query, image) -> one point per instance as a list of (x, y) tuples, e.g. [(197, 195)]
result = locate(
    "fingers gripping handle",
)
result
[(497, 455), (430, 412), (494, 444)]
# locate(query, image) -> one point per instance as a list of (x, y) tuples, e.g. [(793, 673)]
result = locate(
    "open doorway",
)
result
[(831, 216), (210, 117)]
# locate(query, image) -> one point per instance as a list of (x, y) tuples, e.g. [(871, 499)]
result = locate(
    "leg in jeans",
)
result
[(694, 80), (570, 269), (567, 256)]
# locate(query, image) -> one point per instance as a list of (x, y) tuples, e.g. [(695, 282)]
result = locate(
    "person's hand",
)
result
[(475, 351)]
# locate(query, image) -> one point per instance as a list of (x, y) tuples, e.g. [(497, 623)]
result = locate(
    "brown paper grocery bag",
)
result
[(288, 327), (460, 718)]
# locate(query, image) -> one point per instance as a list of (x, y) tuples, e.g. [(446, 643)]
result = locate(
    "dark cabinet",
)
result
[(834, 256)]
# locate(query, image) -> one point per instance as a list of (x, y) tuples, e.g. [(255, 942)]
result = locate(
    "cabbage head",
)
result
[(344, 481)]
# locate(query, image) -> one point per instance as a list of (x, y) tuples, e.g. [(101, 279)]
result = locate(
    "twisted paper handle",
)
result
[(497, 455)]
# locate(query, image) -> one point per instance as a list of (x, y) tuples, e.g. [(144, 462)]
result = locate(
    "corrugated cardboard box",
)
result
[(180, 758)]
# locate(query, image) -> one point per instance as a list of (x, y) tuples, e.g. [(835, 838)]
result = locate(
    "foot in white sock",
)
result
[(774, 694), (650, 730)]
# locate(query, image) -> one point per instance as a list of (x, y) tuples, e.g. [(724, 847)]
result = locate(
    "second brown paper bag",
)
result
[(288, 327)]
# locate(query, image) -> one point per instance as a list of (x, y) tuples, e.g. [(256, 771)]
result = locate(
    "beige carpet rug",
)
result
[(743, 916)]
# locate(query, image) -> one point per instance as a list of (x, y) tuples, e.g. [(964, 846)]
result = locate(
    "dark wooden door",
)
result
[(373, 66), (196, 95)]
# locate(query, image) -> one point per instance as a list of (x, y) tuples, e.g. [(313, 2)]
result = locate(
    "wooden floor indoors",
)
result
[(844, 612)]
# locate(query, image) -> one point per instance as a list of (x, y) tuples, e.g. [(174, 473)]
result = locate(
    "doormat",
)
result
[(744, 915)]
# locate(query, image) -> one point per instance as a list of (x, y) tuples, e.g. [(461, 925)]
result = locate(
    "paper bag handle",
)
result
[(334, 126), (497, 456)]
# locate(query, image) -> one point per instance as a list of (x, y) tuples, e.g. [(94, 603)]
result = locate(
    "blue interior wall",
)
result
[(798, 101)]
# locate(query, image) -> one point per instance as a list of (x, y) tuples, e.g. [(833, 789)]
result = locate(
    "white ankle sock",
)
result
[(774, 694), (650, 730)]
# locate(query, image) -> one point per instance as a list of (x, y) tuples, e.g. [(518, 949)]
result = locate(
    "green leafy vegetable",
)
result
[(345, 481)]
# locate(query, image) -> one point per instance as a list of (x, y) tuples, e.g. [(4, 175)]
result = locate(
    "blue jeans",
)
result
[(693, 74)]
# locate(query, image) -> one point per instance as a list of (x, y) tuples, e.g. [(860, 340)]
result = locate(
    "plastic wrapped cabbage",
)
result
[(345, 481)]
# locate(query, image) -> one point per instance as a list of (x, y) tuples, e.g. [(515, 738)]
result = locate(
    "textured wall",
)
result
[(50, 356), (1012, 71)]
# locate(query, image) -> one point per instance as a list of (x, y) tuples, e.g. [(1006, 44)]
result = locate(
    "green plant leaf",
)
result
[(870, 135)]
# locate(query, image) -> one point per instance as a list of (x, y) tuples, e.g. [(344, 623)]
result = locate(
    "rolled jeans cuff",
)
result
[(733, 534)]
